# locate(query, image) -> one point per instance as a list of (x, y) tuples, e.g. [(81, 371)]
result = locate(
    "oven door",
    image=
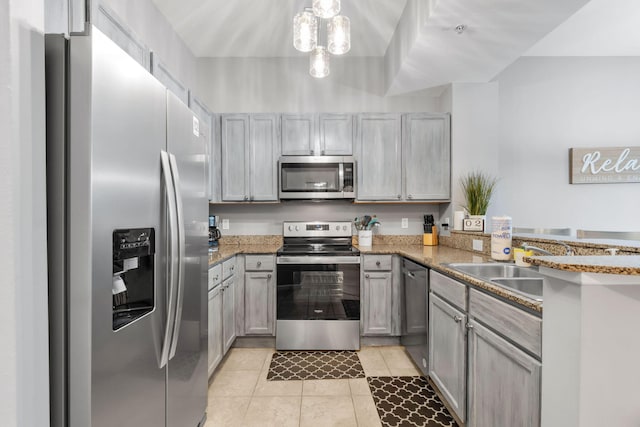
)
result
[(318, 288)]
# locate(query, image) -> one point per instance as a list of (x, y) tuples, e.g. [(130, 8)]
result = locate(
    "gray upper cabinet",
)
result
[(235, 157), (114, 28), (335, 134), (263, 165), (379, 157), (206, 131), (249, 157), (504, 382), (326, 134), (426, 156), (299, 135)]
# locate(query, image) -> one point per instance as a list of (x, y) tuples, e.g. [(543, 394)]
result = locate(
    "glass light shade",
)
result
[(319, 62), (326, 8), (305, 31), (339, 35)]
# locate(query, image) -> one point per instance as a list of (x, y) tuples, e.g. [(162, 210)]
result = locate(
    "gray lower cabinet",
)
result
[(426, 156), (250, 152), (228, 312), (447, 352), (259, 295), (379, 157), (504, 382), (215, 328), (376, 312)]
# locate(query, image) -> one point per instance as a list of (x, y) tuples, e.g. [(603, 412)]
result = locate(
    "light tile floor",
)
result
[(240, 395)]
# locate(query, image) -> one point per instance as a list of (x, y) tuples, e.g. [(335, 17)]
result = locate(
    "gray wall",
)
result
[(267, 219), (548, 105), (24, 390)]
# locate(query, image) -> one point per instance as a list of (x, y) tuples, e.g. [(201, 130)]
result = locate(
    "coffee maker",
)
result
[(214, 232)]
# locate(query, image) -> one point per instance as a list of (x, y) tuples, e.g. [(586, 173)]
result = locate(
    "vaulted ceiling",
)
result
[(417, 37)]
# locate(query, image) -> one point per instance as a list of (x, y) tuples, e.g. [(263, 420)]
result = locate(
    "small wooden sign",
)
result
[(605, 165)]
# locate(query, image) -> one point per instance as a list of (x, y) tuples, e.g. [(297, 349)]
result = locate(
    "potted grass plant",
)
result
[(477, 188)]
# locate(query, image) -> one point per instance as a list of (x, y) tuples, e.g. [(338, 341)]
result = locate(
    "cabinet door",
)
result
[(228, 313), (377, 302), (504, 382), (259, 303), (447, 352), (215, 328), (426, 156), (415, 302), (379, 167), (299, 135), (263, 165), (336, 134), (235, 146)]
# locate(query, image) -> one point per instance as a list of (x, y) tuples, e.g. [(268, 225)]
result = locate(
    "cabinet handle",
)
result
[(322, 152), (378, 263), (259, 263), (469, 326), (410, 274), (251, 198), (216, 278), (246, 198), (409, 196), (457, 319), (366, 275), (313, 153), (268, 276), (399, 196)]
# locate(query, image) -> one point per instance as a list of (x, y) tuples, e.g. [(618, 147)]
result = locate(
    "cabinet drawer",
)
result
[(522, 328), (228, 268), (259, 263), (449, 289), (377, 263), (215, 276)]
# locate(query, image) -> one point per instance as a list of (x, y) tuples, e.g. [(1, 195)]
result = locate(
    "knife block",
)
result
[(431, 239)]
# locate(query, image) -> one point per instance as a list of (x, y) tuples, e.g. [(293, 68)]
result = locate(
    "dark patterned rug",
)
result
[(314, 365), (408, 401)]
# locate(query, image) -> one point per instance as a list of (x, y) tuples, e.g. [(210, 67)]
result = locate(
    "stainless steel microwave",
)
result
[(317, 177)]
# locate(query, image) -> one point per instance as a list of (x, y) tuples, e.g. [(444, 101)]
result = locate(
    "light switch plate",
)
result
[(225, 224), (405, 223), (477, 245)]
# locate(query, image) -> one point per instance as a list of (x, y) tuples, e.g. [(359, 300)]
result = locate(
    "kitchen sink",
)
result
[(524, 280)]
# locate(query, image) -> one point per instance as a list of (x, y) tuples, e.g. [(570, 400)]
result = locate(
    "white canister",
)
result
[(501, 238), (458, 219), (365, 237)]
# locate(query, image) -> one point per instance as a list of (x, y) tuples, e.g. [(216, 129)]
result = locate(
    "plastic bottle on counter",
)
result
[(501, 238)]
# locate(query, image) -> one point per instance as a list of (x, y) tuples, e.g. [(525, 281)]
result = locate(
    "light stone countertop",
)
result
[(606, 264), (228, 250)]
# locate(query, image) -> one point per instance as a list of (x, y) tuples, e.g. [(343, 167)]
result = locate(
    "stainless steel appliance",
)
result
[(317, 177), (318, 288), (414, 324), (127, 243)]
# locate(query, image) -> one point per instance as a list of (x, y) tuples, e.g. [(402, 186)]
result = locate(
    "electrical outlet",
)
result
[(225, 224), (477, 245), (405, 223)]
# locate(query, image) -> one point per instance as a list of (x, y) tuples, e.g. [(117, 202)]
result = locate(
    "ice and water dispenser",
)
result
[(133, 274)]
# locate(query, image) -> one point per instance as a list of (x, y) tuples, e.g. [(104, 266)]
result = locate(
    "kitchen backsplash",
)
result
[(266, 219)]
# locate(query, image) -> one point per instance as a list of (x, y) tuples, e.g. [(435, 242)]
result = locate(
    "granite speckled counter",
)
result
[(436, 257), (605, 264), (228, 250)]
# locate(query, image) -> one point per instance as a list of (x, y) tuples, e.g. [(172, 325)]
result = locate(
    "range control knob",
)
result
[(291, 228), (344, 228), (337, 227), (297, 228)]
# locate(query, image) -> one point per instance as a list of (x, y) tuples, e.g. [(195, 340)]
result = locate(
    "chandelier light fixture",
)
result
[(307, 27)]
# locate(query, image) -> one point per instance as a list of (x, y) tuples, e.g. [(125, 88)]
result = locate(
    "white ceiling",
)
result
[(498, 32), (263, 28)]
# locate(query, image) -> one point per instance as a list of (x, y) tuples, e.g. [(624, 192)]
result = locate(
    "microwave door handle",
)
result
[(341, 175)]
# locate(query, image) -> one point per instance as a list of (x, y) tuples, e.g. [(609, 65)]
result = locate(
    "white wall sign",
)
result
[(605, 165)]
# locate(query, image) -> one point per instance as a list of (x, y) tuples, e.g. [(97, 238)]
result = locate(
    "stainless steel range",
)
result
[(318, 288)]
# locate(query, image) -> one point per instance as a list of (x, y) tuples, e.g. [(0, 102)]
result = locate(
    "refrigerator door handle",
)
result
[(181, 256), (172, 258)]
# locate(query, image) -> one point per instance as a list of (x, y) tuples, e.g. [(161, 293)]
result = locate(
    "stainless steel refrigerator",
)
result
[(127, 242)]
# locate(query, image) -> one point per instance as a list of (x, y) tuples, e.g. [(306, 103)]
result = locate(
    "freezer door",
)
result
[(117, 130), (187, 372)]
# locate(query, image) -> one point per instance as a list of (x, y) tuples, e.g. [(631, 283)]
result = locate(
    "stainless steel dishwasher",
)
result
[(415, 323)]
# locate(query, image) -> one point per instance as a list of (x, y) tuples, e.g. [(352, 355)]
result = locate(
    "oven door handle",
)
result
[(318, 260)]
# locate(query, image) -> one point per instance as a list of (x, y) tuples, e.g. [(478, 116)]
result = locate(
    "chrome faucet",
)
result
[(527, 247), (568, 250)]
